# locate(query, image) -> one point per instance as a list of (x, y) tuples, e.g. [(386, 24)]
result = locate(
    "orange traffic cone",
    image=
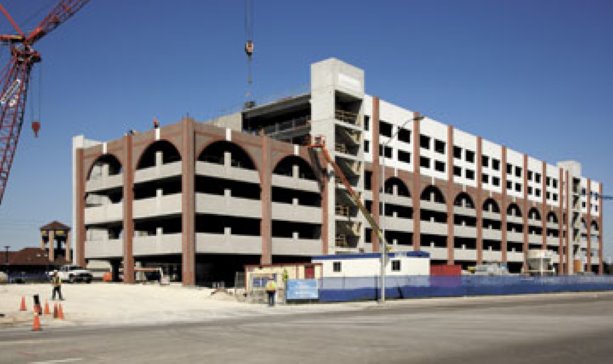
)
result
[(36, 324), (46, 308), (22, 307), (60, 313), (55, 310)]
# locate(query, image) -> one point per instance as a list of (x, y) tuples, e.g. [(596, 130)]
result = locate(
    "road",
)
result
[(531, 329)]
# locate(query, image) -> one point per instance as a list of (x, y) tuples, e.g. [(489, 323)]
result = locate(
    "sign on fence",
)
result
[(302, 289)]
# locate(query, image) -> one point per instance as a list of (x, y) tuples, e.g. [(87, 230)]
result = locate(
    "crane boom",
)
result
[(319, 144), (16, 77)]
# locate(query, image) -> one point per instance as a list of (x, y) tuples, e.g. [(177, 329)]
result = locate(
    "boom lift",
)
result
[(16, 77), (319, 143)]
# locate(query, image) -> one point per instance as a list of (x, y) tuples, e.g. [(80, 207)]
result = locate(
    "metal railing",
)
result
[(348, 117), (289, 125)]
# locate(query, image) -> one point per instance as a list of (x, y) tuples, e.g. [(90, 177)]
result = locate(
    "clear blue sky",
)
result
[(533, 75)]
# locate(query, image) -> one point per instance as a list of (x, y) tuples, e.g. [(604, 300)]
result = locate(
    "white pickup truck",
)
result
[(73, 273)]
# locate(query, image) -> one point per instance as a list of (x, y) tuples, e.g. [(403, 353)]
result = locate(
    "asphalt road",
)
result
[(539, 329)]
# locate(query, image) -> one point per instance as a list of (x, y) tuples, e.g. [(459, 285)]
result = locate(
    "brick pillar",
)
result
[(544, 205), (479, 200), (128, 219), (80, 213), (376, 171), (416, 186), (525, 210), (266, 200), (588, 228), (567, 246), (188, 200), (450, 224), (561, 225), (600, 230), (503, 206)]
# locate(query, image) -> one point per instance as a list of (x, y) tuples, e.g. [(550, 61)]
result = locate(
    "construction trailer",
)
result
[(415, 263)]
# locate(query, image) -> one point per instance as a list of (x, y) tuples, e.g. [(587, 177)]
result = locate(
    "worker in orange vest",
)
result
[(271, 290)]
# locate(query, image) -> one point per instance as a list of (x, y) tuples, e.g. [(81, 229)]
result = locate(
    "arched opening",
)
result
[(433, 213), (514, 210), (515, 228), (552, 231), (395, 186), (594, 227), (396, 207), (294, 166), (463, 199), (432, 194), (226, 153), (490, 205), (106, 165), (534, 214), (158, 153)]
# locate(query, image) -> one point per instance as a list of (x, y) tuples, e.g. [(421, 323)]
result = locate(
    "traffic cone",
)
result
[(22, 307), (55, 310), (36, 324), (46, 308), (60, 313)]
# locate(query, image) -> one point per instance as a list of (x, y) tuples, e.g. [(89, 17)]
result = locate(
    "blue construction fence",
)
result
[(399, 287)]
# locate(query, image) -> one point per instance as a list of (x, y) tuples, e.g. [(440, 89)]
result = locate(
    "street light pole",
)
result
[(416, 117)]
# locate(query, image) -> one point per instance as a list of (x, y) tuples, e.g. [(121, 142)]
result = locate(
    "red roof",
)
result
[(55, 225), (31, 256)]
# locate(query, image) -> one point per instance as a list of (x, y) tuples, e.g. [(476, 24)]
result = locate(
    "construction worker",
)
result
[(271, 290), (56, 282)]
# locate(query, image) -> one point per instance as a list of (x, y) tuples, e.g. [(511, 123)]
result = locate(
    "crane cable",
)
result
[(249, 44)]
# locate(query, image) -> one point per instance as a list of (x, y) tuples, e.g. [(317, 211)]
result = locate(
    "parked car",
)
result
[(73, 274)]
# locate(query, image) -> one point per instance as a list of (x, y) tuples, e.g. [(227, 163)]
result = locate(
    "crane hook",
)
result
[(35, 127), (249, 48)]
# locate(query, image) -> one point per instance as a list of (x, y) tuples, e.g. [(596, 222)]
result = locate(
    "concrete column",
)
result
[(450, 223), (128, 220), (266, 201), (525, 211), (79, 229), (478, 200), (325, 226), (188, 200), (588, 228), (600, 231), (42, 241), (561, 225), (51, 245), (376, 171), (416, 186), (503, 206)]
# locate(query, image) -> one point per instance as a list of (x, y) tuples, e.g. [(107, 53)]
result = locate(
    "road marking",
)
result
[(68, 360)]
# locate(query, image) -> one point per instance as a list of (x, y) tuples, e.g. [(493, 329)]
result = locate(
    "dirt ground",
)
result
[(120, 304)]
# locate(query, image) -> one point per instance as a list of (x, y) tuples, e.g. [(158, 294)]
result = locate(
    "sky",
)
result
[(533, 75)]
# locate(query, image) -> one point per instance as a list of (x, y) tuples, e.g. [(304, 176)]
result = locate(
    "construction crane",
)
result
[(319, 143), (249, 48), (16, 77)]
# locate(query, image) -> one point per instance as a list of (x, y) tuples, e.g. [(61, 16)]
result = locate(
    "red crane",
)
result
[(15, 78)]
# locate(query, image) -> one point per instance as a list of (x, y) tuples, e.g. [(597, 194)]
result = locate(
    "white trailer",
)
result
[(415, 263)]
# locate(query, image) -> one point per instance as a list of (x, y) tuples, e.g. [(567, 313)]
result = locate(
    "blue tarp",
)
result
[(368, 288)]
